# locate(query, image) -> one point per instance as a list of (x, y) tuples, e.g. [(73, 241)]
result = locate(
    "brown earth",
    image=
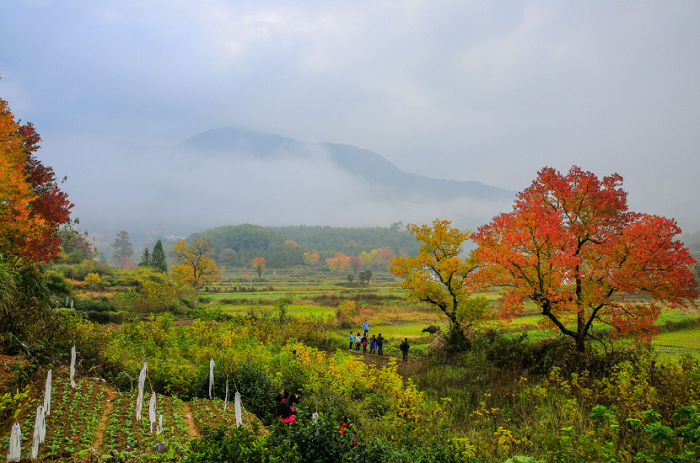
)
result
[(99, 434), (191, 428)]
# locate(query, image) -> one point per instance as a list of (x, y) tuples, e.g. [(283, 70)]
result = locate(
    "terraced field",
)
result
[(94, 419)]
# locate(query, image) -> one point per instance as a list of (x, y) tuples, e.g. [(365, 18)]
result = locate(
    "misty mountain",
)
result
[(230, 176), (382, 176)]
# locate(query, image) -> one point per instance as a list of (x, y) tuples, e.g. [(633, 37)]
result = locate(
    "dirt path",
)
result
[(191, 428), (99, 434)]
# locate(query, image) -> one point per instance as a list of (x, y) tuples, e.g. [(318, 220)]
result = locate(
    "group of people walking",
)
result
[(375, 343)]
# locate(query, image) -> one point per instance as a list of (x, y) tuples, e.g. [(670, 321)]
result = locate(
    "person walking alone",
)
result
[(365, 326), (380, 344), (404, 348)]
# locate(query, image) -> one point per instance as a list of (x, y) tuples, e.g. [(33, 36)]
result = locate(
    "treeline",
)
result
[(329, 241), (237, 245)]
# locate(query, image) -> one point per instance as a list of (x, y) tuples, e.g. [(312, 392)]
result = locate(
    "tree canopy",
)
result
[(194, 264), (33, 208), (122, 248), (571, 246), (437, 274)]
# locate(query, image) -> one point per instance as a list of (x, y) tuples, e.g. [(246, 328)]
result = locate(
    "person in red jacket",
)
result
[(285, 406)]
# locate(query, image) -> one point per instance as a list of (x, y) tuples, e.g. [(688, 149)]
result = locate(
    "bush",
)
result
[(346, 315), (79, 271), (251, 380), (105, 317), (57, 283), (309, 441), (239, 444), (88, 305)]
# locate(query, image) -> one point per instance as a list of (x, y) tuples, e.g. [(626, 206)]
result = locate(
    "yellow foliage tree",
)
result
[(258, 264), (437, 275), (194, 264), (311, 258), (366, 259)]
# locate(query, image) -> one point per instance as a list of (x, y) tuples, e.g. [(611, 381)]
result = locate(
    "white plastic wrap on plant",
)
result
[(211, 376), (47, 395), (237, 405), (226, 398), (139, 398), (72, 367), (159, 428), (152, 410), (14, 452), (39, 431)]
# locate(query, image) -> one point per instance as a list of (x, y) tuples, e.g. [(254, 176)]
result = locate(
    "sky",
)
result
[(460, 90)]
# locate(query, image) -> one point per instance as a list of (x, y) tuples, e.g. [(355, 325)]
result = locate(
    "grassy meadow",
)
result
[(383, 304)]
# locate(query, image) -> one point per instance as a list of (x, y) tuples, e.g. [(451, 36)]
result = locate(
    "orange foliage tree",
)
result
[(338, 263), (384, 257), (32, 208), (259, 264), (571, 246)]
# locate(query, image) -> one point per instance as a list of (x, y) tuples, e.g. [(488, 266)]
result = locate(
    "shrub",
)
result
[(250, 379), (57, 283), (88, 305), (346, 314), (93, 280), (239, 444)]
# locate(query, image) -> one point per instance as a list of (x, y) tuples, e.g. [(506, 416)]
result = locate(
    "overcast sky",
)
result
[(468, 90)]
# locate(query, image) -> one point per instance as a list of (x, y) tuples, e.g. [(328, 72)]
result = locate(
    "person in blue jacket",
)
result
[(351, 339), (365, 326)]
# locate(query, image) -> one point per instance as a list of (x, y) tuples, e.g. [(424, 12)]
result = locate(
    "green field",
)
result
[(316, 293)]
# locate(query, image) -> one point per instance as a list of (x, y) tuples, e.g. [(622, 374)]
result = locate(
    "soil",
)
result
[(99, 434), (191, 428)]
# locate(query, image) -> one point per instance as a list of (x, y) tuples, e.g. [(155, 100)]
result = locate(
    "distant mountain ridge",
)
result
[(382, 176)]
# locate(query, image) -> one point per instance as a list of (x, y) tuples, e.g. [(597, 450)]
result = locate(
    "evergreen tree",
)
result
[(158, 261), (122, 247), (145, 259)]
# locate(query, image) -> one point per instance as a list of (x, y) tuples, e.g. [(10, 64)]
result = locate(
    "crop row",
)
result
[(124, 433)]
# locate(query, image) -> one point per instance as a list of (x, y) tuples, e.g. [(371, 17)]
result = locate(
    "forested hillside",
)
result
[(236, 245), (330, 240)]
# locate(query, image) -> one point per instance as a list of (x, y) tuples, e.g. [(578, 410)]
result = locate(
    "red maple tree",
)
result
[(32, 207), (51, 204), (571, 246)]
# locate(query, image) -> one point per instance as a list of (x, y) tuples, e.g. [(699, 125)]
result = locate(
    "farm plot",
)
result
[(211, 413), (672, 346), (74, 418), (124, 433)]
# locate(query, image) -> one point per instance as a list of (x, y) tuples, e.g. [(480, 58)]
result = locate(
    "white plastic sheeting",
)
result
[(226, 398), (211, 376), (237, 404), (14, 452), (47, 395), (72, 367), (39, 431), (159, 428), (152, 410), (139, 397)]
